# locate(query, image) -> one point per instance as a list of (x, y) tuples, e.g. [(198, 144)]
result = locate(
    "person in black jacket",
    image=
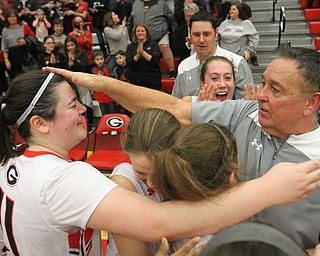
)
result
[(143, 57)]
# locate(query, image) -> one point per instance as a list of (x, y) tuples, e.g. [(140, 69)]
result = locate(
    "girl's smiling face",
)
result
[(220, 74)]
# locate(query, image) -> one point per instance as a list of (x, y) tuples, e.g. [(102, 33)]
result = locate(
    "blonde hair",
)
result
[(198, 164), (150, 131)]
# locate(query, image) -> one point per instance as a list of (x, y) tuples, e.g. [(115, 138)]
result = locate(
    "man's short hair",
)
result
[(204, 16)]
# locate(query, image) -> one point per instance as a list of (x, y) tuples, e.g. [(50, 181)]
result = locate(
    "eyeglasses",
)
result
[(49, 42)]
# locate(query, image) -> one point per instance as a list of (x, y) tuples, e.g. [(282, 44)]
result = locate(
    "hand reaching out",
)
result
[(186, 249), (208, 92), (250, 93)]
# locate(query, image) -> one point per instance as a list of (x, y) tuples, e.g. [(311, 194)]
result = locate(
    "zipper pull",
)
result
[(274, 157)]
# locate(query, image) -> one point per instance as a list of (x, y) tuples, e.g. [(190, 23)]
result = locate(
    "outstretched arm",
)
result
[(147, 220), (130, 96)]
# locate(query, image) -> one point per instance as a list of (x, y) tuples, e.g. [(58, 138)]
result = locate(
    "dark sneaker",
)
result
[(173, 74), (254, 61)]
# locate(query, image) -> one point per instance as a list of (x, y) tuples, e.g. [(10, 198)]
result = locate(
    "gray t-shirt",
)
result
[(188, 82), (258, 152)]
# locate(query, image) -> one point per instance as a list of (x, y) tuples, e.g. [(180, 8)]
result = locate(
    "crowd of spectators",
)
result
[(60, 33)]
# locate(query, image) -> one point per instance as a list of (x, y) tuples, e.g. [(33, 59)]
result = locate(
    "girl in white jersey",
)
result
[(45, 198)]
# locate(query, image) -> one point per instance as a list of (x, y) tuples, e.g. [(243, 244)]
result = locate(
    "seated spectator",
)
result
[(41, 25), (143, 57), (84, 39), (182, 45), (160, 21), (51, 56), (237, 34), (58, 35), (117, 37)]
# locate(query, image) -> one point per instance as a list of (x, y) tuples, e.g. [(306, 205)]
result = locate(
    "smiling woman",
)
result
[(217, 72)]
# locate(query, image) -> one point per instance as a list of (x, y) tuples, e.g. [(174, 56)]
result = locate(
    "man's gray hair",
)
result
[(191, 7)]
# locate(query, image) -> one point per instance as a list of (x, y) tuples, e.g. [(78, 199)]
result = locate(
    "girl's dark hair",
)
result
[(8, 13), (108, 21), (21, 92), (77, 50), (47, 37), (242, 13)]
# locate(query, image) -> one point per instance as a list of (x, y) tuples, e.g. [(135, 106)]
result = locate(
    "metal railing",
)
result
[(282, 23), (274, 10)]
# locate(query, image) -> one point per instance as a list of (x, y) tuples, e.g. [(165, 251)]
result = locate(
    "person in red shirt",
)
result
[(107, 104)]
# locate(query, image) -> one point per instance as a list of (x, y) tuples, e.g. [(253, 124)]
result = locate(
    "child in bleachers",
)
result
[(58, 35), (107, 104), (41, 25), (122, 72), (50, 56)]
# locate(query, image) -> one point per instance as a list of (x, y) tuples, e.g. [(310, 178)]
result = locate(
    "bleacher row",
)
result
[(312, 16)]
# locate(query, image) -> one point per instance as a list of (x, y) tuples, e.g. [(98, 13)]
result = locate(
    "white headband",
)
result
[(35, 99)]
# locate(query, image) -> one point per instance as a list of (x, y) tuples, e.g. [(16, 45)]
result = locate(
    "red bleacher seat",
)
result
[(314, 27), (107, 151), (312, 14), (163, 65), (167, 84), (303, 3), (317, 42)]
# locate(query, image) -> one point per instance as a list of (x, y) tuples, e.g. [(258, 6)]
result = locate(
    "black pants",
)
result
[(3, 79), (16, 54)]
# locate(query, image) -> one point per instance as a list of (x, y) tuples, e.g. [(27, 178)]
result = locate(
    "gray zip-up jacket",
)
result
[(158, 17)]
